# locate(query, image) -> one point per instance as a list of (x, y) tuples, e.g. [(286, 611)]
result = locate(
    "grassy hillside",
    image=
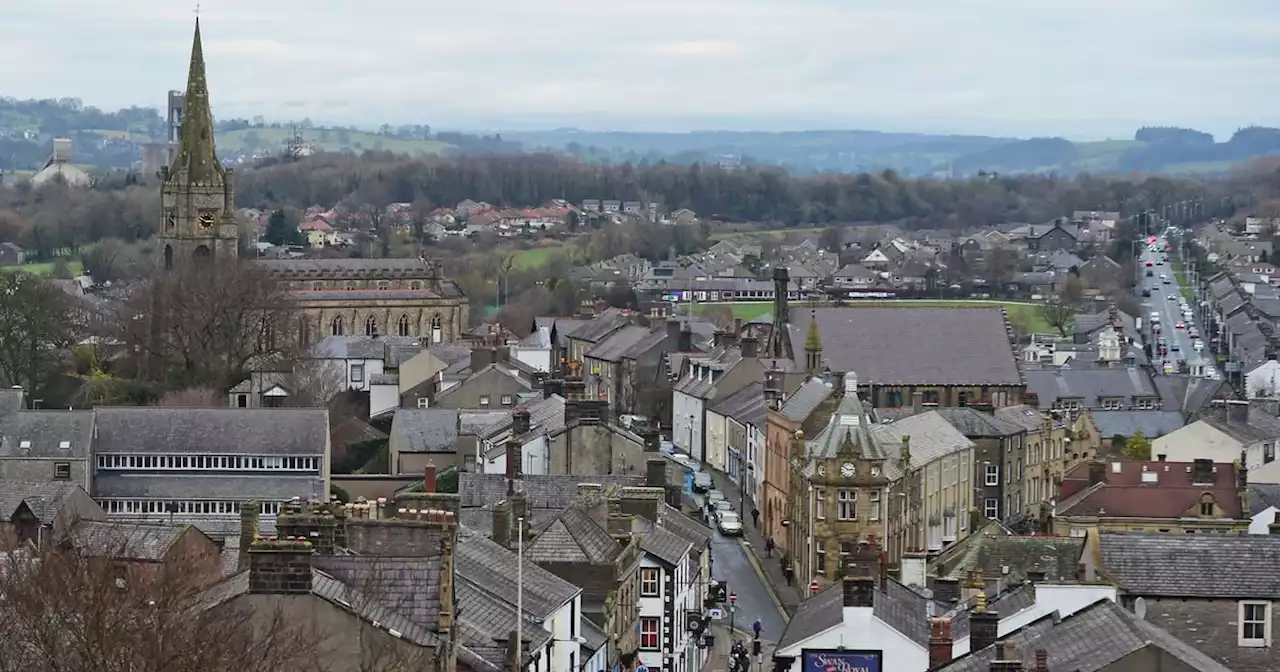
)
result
[(270, 139)]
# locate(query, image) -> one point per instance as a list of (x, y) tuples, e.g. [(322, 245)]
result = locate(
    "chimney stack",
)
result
[(984, 625), (520, 519), (917, 402), (501, 525), (280, 566), (521, 421), (655, 472), (940, 642), (482, 355), (685, 342), (249, 512), (673, 332), (1042, 660), (946, 592), (750, 347), (1097, 471), (645, 502), (1007, 659), (429, 478)]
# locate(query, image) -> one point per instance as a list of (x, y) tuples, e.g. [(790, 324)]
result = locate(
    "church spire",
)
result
[(196, 153)]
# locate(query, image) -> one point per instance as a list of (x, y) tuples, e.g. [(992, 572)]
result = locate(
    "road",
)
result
[(1166, 299), (755, 601)]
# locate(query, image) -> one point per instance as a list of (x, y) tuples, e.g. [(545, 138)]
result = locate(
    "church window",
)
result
[(304, 333), (202, 252), (415, 285), (168, 257), (351, 284), (337, 329), (402, 325), (383, 284), (371, 326), (318, 285)]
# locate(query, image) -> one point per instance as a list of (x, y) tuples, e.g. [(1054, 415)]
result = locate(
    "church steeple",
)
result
[(196, 153), (813, 346)]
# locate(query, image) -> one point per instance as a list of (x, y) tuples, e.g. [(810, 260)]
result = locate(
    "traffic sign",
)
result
[(733, 597)]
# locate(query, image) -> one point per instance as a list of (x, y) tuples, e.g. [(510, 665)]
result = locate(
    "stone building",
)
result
[(371, 297)]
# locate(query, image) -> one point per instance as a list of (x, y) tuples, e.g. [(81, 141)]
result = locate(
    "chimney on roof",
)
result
[(946, 592), (673, 330), (521, 421), (482, 356), (280, 566), (684, 343), (984, 625), (1097, 471), (501, 524), (1042, 660), (1237, 411), (655, 472), (429, 478), (248, 531), (750, 347), (324, 525), (1007, 659), (1202, 472), (940, 642), (645, 502), (917, 402)]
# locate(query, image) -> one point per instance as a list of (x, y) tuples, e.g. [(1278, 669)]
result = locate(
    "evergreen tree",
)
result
[(278, 230)]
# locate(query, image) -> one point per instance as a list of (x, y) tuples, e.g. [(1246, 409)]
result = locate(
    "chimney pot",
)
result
[(940, 642), (1042, 660), (429, 478)]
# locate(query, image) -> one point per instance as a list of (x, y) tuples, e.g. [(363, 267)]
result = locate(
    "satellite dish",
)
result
[(1140, 608)]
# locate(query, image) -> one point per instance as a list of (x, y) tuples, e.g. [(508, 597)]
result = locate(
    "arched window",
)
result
[(317, 286), (371, 326), (202, 253), (304, 333), (337, 328), (415, 285), (437, 334), (168, 257), (402, 325)]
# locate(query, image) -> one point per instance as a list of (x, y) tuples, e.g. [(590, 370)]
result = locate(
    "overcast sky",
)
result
[(1079, 68)]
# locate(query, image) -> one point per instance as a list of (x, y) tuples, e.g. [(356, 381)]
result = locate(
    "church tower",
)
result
[(198, 195)]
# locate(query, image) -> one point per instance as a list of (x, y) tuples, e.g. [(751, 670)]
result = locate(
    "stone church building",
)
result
[(337, 297)]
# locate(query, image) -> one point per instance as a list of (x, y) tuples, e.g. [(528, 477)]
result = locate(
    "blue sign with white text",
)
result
[(836, 660)]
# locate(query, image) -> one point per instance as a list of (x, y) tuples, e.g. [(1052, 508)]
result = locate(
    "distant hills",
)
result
[(115, 139), (1154, 150)]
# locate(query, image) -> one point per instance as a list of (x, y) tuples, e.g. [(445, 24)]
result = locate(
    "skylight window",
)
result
[(64, 444), (24, 444)]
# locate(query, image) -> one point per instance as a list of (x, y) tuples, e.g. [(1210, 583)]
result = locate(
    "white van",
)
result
[(1155, 317)]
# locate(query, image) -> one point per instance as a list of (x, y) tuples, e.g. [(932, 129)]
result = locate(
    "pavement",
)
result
[(1169, 311), (755, 577), (718, 661)]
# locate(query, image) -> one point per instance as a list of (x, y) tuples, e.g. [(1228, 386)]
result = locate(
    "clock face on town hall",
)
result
[(207, 220)]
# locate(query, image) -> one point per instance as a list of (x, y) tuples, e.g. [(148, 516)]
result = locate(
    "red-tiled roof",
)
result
[(1166, 491), (315, 225)]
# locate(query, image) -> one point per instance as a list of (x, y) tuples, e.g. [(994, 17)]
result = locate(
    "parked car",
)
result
[(701, 481), (714, 496), (730, 524), (720, 507), (1197, 345)]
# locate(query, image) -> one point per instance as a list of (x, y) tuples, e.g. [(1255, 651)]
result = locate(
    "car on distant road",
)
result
[(730, 524), (701, 481), (1148, 262), (1179, 325), (1197, 345), (1174, 346)]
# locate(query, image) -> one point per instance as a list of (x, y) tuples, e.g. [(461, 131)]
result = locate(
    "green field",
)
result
[(536, 257), (326, 140), (1025, 316), (45, 268)]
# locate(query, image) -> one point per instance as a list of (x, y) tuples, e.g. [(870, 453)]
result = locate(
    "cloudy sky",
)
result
[(1079, 68)]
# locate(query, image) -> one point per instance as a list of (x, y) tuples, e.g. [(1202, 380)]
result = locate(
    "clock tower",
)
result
[(197, 199)]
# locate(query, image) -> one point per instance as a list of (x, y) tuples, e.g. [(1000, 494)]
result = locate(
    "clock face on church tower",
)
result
[(207, 220)]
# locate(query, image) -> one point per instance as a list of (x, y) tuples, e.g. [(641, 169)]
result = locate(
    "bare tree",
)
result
[(206, 324), (193, 397), (64, 610), (1059, 310), (315, 382)]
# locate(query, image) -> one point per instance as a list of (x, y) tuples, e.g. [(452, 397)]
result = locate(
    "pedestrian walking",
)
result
[(768, 547), (790, 574), (756, 627), (755, 517)]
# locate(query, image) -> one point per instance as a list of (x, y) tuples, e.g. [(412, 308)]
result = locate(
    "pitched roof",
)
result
[(1139, 489), (746, 405), (125, 540), (573, 537), (43, 498), (1262, 497), (411, 584), (888, 345), (615, 345), (47, 434), (164, 485), (806, 399), (228, 431), (1091, 639), (1152, 424), (1089, 385), (542, 491), (1192, 565), (485, 619), (1011, 556), (662, 543), (490, 565), (897, 606), (425, 430), (974, 423), (931, 435)]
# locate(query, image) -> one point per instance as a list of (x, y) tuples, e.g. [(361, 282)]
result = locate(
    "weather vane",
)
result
[(197, 10)]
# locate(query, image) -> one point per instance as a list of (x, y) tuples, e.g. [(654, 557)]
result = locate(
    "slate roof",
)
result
[(42, 434), (600, 326), (410, 585), (1092, 639), (545, 414), (573, 537), (1192, 565), (746, 405), (488, 564), (425, 430), (616, 345), (223, 431), (43, 498), (898, 607), (931, 435), (1089, 385), (1263, 497), (125, 540), (976, 424), (546, 491), (1187, 394), (992, 552), (1261, 426), (892, 345), (686, 527), (1027, 417), (484, 619), (226, 487), (661, 543), (806, 399), (1153, 424)]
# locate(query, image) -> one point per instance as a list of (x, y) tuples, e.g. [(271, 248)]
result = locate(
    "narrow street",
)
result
[(755, 598)]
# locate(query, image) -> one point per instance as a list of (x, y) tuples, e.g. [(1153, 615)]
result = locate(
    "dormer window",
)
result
[(1112, 404)]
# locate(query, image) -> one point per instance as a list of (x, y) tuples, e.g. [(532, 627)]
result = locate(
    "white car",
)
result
[(714, 496), (730, 524), (1197, 345)]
